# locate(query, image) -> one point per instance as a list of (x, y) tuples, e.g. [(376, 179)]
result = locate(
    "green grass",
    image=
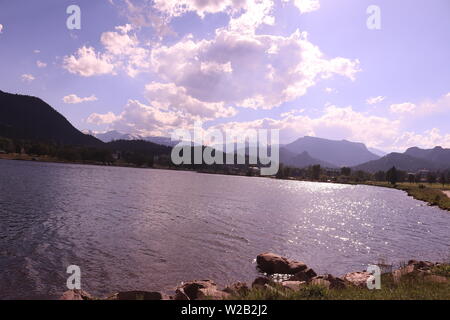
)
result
[(409, 288), (431, 193)]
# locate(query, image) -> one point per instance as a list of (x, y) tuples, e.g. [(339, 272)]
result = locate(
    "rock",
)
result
[(331, 281), (423, 265), (293, 285), (238, 288), (398, 274), (305, 275), (180, 295), (76, 295), (198, 290), (271, 263), (358, 279), (141, 295), (260, 282)]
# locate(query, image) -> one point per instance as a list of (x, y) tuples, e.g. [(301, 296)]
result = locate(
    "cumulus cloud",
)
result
[(41, 64), (375, 100), (170, 97), (424, 108), (99, 119), (335, 123), (406, 107), (74, 99), (264, 70), (125, 50), (139, 118), (306, 6), (27, 77), (86, 62), (330, 90), (428, 139), (175, 8)]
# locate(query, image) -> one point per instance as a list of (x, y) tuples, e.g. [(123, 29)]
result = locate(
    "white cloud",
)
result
[(375, 100), (334, 123), (264, 70), (97, 118), (27, 77), (175, 8), (41, 64), (124, 51), (425, 108), (330, 90), (142, 119), (429, 139), (74, 99), (171, 97), (306, 6), (1, 28), (88, 63), (406, 107)]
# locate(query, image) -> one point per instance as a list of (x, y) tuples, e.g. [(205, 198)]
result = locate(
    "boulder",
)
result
[(271, 263), (331, 281), (199, 290), (237, 289), (358, 279), (76, 295), (261, 282), (180, 295), (423, 265), (414, 268), (305, 275)]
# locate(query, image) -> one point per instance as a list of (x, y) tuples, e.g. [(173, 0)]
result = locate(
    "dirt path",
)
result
[(447, 193)]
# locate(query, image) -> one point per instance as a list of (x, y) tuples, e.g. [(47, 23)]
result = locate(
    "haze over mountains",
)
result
[(26, 117)]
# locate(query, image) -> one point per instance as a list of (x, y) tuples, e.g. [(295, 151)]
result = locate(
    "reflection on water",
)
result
[(131, 229)]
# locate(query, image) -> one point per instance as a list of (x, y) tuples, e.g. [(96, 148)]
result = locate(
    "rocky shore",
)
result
[(279, 275)]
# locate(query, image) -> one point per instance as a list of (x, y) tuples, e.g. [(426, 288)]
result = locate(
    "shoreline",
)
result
[(284, 279), (433, 195)]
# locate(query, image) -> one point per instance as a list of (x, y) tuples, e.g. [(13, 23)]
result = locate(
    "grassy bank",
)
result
[(430, 193), (410, 287)]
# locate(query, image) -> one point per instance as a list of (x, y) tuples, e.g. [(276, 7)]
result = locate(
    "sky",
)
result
[(334, 69)]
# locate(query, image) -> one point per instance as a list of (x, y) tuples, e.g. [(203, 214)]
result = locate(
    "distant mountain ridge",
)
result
[(337, 153), (301, 160), (27, 117), (113, 135), (412, 160)]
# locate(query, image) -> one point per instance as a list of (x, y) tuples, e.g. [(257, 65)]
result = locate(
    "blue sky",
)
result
[(306, 67)]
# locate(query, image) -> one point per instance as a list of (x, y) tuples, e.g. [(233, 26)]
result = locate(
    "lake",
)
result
[(145, 229)]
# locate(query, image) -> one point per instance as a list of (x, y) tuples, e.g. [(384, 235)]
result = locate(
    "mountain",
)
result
[(116, 135), (437, 155), (401, 161), (301, 160), (377, 152), (138, 146), (338, 153), (26, 117)]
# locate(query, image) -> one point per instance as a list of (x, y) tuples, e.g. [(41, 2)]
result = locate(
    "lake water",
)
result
[(131, 229)]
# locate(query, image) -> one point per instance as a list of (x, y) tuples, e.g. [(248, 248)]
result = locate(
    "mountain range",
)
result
[(337, 153), (27, 117)]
